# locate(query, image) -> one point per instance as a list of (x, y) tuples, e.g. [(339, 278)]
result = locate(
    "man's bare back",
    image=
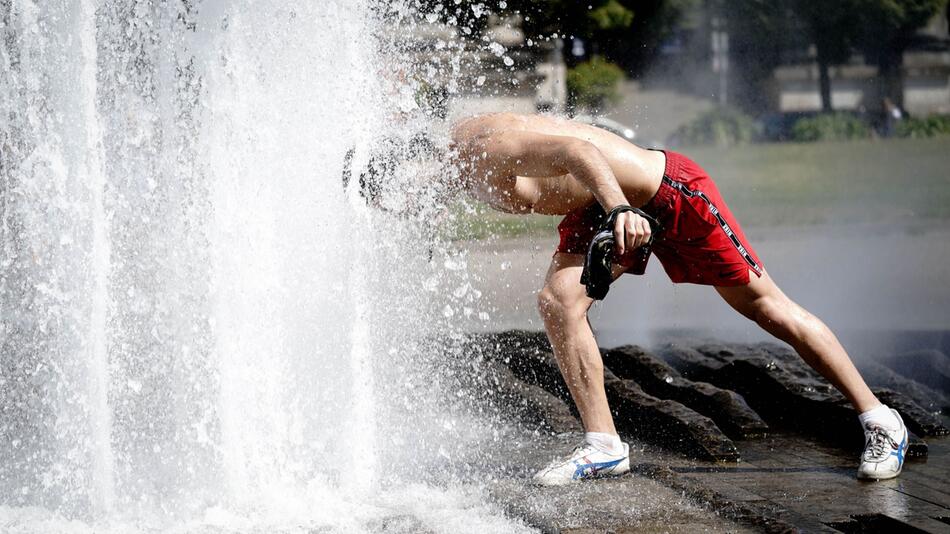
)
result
[(484, 143)]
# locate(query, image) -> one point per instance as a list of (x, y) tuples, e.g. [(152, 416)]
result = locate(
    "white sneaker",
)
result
[(584, 462), (884, 451)]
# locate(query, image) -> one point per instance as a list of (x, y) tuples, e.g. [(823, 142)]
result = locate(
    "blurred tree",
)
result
[(595, 83), (889, 27), (611, 15), (833, 28), (627, 32), (654, 23), (595, 22), (760, 31)]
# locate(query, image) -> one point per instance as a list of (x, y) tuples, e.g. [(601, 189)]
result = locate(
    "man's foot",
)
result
[(584, 462), (884, 450)]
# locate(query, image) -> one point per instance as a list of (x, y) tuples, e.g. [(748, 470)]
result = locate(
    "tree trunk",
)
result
[(891, 75), (824, 84)]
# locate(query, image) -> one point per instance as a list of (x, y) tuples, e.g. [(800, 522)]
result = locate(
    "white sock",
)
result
[(608, 443), (880, 416)]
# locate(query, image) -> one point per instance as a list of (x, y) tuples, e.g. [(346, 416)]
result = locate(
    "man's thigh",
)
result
[(746, 298)]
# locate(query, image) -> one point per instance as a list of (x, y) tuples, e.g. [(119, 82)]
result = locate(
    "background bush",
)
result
[(830, 127), (594, 83), (930, 126), (720, 127)]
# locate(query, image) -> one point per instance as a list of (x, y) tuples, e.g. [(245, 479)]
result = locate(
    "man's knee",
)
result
[(561, 304), (782, 317), (771, 313)]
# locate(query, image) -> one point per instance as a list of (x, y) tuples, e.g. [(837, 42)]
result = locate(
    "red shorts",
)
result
[(699, 241)]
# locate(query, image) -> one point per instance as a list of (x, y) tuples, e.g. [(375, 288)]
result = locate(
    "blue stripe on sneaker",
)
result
[(594, 467), (900, 451)]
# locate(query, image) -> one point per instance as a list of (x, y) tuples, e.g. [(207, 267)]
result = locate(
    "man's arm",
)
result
[(530, 154)]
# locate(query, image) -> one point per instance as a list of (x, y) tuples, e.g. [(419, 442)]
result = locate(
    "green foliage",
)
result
[(883, 18), (627, 32), (830, 127), (930, 126), (720, 127), (594, 83), (612, 15)]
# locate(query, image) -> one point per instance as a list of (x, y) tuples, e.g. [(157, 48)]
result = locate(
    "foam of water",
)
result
[(200, 331)]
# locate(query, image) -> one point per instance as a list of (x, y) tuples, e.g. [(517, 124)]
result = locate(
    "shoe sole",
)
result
[(886, 477)]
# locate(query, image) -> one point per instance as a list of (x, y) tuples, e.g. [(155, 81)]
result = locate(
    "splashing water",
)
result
[(200, 330)]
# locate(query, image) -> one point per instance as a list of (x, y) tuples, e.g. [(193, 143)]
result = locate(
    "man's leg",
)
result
[(885, 434), (763, 302), (563, 304)]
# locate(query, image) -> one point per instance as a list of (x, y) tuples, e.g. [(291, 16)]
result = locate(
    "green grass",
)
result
[(874, 181), (896, 181)]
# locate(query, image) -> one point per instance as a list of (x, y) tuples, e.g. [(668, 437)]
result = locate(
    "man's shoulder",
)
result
[(489, 120)]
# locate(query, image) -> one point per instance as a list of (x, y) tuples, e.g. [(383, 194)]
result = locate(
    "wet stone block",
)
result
[(785, 391), (540, 369), (528, 356), (692, 364), (929, 367), (883, 377), (918, 420), (532, 405), (727, 408), (776, 391), (667, 423)]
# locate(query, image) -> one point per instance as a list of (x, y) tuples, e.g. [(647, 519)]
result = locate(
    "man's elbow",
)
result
[(582, 151)]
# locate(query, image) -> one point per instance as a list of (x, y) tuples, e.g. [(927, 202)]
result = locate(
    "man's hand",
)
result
[(631, 231)]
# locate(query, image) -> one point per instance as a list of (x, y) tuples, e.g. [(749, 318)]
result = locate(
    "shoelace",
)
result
[(569, 457), (879, 445)]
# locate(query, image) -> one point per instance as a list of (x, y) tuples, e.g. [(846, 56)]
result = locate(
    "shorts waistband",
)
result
[(663, 198)]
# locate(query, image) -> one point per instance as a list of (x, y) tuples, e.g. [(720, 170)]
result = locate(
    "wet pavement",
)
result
[(812, 486), (694, 467)]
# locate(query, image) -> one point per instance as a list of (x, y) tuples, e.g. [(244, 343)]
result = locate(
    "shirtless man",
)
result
[(542, 164)]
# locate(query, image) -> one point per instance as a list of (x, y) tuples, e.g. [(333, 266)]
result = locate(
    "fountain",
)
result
[(200, 330)]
